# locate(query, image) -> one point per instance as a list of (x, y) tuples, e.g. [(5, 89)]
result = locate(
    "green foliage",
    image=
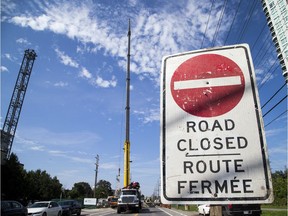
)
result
[(13, 182), (103, 189), (44, 187), (18, 184), (81, 190), (279, 180)]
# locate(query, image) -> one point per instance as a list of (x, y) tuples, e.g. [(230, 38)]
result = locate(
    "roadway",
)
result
[(152, 211)]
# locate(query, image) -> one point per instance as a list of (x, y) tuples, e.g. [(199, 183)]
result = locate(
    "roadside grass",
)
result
[(188, 207), (273, 213), (265, 206)]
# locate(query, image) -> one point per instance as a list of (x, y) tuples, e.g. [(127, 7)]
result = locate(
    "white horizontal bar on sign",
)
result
[(209, 82)]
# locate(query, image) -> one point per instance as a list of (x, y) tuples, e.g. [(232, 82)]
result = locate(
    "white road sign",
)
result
[(90, 201), (213, 147)]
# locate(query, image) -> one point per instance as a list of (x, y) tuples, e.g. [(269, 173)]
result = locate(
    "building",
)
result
[(276, 12)]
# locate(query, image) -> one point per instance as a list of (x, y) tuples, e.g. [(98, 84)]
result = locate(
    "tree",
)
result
[(13, 179), (103, 189), (18, 184), (279, 179), (81, 190), (42, 186)]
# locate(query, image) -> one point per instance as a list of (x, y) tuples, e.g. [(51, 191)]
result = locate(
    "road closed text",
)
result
[(215, 187), (208, 152)]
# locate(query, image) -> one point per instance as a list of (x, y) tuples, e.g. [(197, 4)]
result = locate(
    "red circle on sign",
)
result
[(207, 85)]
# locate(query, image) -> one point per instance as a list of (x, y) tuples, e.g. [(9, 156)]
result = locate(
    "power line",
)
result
[(244, 20), (247, 21), (275, 106), (259, 36), (207, 24), (261, 48), (273, 95), (233, 21), (264, 54), (219, 23), (267, 77), (276, 118)]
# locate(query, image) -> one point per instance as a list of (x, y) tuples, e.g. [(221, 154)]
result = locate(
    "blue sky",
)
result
[(74, 107)]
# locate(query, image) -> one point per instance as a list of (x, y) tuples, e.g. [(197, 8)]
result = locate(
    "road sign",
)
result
[(213, 147), (216, 87)]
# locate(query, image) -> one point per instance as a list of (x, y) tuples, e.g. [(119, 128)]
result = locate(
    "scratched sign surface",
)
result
[(213, 146)]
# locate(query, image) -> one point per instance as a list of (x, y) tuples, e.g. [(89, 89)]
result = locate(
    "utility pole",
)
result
[(117, 183), (96, 173)]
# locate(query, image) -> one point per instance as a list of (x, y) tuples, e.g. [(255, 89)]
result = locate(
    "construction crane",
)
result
[(16, 102), (130, 194), (127, 139)]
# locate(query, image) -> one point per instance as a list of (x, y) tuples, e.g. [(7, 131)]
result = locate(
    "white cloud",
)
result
[(61, 84), (3, 69), (266, 78), (8, 7), (68, 155), (85, 73), (274, 132), (68, 173), (66, 60), (23, 41), (99, 81), (153, 35), (149, 115), (8, 56), (50, 138), (109, 166), (278, 150), (37, 148)]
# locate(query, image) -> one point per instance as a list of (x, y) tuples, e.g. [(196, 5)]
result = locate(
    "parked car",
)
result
[(204, 209), (13, 208), (241, 209), (70, 207), (45, 208), (102, 203)]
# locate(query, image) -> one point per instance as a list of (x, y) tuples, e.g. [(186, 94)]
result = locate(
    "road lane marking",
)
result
[(165, 212), (178, 213)]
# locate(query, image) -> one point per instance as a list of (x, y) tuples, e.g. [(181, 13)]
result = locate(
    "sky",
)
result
[(74, 108)]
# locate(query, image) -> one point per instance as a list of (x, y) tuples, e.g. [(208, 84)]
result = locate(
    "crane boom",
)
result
[(16, 102), (130, 194), (127, 140)]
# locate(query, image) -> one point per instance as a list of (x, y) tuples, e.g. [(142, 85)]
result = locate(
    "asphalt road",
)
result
[(157, 211)]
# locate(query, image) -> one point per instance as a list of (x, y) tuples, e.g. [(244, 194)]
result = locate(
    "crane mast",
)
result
[(130, 194), (127, 140), (16, 102)]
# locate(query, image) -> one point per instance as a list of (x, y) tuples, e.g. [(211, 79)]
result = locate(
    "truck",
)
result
[(112, 201), (130, 199)]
